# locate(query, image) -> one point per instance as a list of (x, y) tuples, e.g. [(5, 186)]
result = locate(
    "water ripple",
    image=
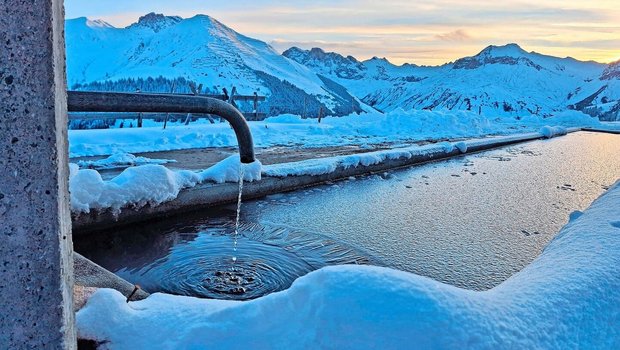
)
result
[(269, 259)]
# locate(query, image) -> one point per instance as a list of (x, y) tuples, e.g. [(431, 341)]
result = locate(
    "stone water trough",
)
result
[(209, 194)]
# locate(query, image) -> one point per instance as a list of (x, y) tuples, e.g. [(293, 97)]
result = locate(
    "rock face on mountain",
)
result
[(158, 50), (156, 21), (328, 63), (612, 71), (509, 55), (500, 80), (602, 97)]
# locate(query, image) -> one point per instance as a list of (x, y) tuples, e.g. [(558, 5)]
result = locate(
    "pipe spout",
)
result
[(86, 101)]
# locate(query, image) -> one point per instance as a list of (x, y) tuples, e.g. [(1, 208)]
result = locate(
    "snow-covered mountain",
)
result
[(500, 80), (198, 49), (159, 52), (600, 96)]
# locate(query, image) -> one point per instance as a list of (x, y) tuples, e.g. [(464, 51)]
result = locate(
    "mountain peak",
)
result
[(91, 23), (156, 21), (511, 50), (612, 71), (380, 59), (509, 55), (327, 62), (316, 53), (298, 54)]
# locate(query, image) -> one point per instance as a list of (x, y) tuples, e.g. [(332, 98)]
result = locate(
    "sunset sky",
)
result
[(420, 32)]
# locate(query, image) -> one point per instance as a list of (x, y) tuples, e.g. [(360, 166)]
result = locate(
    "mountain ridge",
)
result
[(499, 80), (502, 80)]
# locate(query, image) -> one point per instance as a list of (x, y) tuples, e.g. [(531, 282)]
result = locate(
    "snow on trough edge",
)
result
[(566, 298), (148, 184), (328, 165)]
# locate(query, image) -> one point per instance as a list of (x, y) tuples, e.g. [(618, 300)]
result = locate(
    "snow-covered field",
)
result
[(368, 128), (567, 298)]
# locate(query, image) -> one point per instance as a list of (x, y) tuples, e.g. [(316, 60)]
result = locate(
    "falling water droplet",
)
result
[(241, 175)]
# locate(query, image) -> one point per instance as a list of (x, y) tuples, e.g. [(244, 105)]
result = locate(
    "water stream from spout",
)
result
[(236, 234)]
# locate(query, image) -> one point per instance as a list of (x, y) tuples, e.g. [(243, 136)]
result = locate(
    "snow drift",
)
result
[(148, 184), (368, 128)]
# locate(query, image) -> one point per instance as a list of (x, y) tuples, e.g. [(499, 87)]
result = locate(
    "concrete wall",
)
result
[(36, 269)]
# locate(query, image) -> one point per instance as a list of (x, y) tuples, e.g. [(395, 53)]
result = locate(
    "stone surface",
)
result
[(81, 295), (89, 274), (36, 270)]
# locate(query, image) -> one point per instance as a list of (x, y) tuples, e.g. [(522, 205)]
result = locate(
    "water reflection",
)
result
[(195, 259), (472, 221)]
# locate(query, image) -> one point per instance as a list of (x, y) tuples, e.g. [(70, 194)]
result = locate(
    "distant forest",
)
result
[(284, 97), (159, 84)]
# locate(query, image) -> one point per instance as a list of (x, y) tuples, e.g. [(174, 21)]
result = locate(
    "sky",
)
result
[(403, 31)]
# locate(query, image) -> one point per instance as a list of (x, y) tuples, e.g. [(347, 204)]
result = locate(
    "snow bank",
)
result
[(121, 159), (328, 165), (568, 118), (141, 185), (552, 131), (304, 167), (148, 184), (331, 164), (567, 298), (462, 146), (615, 126), (228, 170), (368, 128)]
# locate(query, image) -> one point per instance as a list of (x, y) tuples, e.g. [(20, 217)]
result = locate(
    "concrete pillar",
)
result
[(36, 266)]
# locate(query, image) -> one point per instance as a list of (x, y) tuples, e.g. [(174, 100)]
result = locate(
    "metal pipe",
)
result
[(86, 101)]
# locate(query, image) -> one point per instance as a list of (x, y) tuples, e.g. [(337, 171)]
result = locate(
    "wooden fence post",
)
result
[(231, 98), (255, 105), (168, 114)]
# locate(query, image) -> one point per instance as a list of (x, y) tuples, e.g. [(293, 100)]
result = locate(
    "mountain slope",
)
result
[(500, 80), (202, 50), (167, 52), (601, 96)]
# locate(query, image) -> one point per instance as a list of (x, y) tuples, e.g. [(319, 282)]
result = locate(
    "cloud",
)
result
[(457, 35), (423, 32)]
